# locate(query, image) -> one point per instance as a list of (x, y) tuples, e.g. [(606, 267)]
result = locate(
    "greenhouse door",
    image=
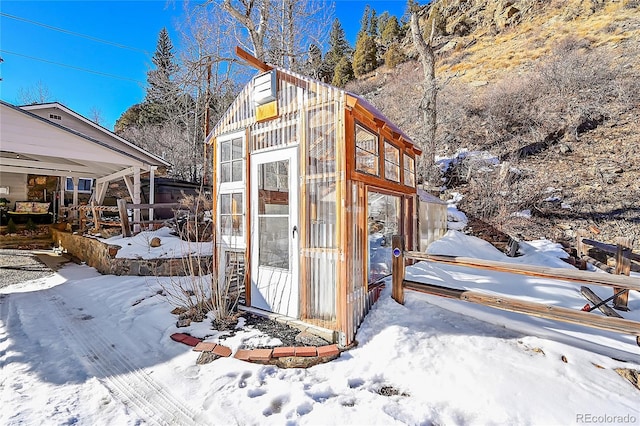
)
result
[(274, 231)]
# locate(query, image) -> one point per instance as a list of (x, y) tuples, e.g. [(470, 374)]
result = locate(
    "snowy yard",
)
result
[(83, 348)]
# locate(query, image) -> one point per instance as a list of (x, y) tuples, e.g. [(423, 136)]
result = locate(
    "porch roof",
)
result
[(32, 144)]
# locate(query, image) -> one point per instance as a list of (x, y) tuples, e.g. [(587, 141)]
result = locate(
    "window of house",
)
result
[(391, 162), (231, 195), (409, 171), (367, 151), (231, 164), (84, 185), (232, 214)]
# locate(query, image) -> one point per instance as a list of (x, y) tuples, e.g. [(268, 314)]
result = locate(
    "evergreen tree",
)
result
[(343, 73), (365, 56), (338, 49), (365, 21), (163, 94), (390, 32), (373, 24), (393, 56), (383, 19)]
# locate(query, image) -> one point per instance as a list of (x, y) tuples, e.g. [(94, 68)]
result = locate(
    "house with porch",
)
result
[(310, 183), (63, 155)]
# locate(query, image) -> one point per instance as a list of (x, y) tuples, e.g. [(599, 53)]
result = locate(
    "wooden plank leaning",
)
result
[(124, 217), (597, 301)]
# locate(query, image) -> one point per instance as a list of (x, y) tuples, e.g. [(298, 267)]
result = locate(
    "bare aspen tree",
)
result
[(207, 73), (253, 16), (38, 94), (279, 31)]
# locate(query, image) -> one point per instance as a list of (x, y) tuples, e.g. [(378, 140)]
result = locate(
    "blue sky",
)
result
[(33, 53)]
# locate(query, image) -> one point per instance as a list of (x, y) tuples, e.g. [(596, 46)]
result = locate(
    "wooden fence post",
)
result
[(581, 247), (124, 217), (397, 268), (623, 267)]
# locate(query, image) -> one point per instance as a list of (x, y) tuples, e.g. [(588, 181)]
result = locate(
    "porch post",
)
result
[(136, 199), (152, 193), (75, 196), (63, 186)]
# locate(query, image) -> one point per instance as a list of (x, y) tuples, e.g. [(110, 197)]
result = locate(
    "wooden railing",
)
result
[(512, 304), (122, 219), (623, 255)]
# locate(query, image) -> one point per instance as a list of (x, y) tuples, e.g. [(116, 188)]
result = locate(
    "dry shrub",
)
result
[(198, 288), (571, 91)]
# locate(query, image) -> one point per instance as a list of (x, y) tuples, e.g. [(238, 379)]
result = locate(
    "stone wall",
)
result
[(102, 256)]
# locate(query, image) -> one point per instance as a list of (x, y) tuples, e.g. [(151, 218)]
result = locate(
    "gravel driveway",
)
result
[(18, 266)]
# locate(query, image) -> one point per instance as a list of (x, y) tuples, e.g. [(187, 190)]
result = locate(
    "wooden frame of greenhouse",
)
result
[(310, 183)]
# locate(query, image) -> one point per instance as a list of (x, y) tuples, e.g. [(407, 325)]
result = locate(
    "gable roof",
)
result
[(240, 111), (97, 132), (32, 144)]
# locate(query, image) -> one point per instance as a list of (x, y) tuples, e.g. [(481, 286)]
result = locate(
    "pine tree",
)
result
[(343, 73), (373, 24), (365, 55), (365, 21), (339, 48), (163, 93), (393, 56), (390, 32)]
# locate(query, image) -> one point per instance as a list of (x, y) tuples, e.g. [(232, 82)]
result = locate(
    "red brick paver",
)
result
[(222, 350), (260, 355), (306, 351), (242, 354), (204, 347), (283, 351), (178, 337), (191, 341), (328, 350)]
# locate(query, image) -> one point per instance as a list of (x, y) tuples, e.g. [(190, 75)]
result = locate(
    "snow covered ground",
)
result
[(83, 348)]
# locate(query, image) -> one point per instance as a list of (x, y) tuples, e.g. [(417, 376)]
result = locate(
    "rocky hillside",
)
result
[(550, 89)]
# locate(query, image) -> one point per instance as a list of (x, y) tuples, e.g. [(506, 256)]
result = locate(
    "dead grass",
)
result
[(535, 38)]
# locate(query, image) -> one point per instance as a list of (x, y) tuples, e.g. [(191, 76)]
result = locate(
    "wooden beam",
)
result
[(573, 316), (121, 174), (612, 249), (581, 247), (379, 123), (352, 101), (252, 60), (47, 165), (47, 172), (597, 301), (595, 262), (532, 270)]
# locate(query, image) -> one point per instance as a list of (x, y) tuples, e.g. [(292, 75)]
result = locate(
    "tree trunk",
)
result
[(256, 33), (428, 103)]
